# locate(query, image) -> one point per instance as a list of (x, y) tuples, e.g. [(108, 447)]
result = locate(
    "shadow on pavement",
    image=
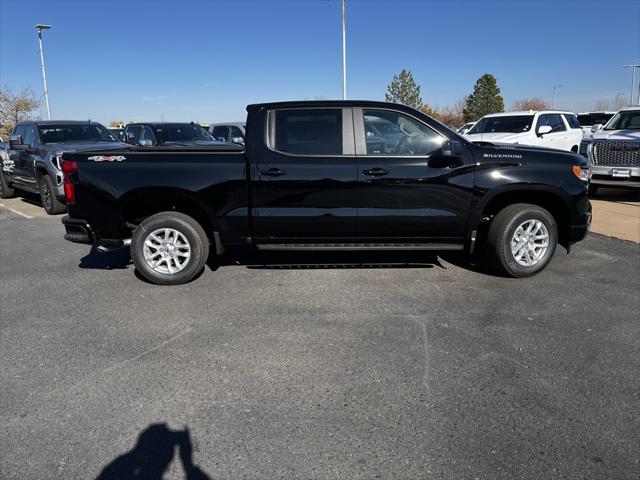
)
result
[(115, 259), (151, 456)]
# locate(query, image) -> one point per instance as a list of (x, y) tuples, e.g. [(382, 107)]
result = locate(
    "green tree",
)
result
[(404, 89), (484, 100)]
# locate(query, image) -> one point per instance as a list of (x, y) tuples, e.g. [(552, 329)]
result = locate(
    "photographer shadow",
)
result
[(152, 455)]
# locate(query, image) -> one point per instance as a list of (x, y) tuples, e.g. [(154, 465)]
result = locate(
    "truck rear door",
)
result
[(305, 179)]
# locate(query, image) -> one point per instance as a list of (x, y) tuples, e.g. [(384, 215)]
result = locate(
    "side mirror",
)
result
[(464, 131), (451, 148), (145, 143), (596, 127), (129, 137), (544, 129), (16, 143), (239, 140)]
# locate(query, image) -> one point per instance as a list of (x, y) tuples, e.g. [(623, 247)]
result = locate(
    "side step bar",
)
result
[(300, 247)]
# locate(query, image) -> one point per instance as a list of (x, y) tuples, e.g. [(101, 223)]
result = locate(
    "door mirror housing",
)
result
[(16, 143), (145, 143), (596, 127), (464, 131), (451, 148), (544, 129), (239, 140)]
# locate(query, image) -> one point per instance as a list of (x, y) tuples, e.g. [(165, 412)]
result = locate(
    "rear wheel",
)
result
[(169, 248), (522, 239), (50, 202), (5, 190)]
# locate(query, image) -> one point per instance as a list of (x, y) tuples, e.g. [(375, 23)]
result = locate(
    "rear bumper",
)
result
[(79, 231)]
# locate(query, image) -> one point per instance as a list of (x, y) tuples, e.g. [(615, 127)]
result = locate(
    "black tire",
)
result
[(185, 225), (502, 231), (50, 202), (593, 190), (5, 190)]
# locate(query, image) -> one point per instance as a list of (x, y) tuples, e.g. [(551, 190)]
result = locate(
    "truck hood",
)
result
[(633, 135), (496, 152), (499, 137), (69, 147)]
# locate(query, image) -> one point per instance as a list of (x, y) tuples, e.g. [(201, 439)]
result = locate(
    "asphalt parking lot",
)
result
[(355, 366)]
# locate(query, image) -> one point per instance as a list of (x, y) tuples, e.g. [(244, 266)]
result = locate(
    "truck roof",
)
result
[(328, 103), (56, 122)]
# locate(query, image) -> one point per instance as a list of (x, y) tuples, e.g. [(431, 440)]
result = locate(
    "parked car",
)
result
[(614, 151), (589, 119), (33, 159), (229, 132), (543, 128), (311, 180), (465, 128), (168, 134)]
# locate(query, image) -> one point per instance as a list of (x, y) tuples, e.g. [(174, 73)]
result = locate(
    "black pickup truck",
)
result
[(329, 175)]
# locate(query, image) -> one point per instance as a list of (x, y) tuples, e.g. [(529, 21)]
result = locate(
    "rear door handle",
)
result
[(273, 172), (376, 172)]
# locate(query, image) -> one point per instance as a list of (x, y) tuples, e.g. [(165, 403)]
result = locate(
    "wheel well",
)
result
[(551, 202), (574, 149), (40, 172), (137, 209)]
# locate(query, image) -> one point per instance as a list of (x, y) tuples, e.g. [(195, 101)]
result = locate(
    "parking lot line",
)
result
[(17, 212)]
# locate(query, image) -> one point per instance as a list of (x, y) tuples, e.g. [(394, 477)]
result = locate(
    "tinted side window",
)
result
[(147, 134), (236, 132), (30, 136), (220, 133), (133, 134), (572, 120), (393, 133), (553, 120), (308, 132)]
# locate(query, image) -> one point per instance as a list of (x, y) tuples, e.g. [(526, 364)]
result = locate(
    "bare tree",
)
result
[(15, 107), (533, 103), (452, 116), (619, 102), (602, 105)]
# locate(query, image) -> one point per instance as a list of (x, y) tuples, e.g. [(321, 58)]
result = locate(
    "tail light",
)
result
[(69, 167)]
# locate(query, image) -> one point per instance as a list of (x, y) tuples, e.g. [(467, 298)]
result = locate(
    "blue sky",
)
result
[(205, 60)]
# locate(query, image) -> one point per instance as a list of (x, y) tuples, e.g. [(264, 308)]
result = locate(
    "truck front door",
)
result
[(304, 177), (407, 188)]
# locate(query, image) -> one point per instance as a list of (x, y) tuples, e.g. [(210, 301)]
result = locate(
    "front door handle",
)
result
[(273, 172), (376, 172)]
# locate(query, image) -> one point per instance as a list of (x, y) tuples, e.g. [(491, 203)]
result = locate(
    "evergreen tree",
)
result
[(404, 89), (484, 100)]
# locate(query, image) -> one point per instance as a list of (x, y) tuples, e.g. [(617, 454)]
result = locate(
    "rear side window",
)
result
[(553, 120), (220, 132), (572, 120), (307, 132)]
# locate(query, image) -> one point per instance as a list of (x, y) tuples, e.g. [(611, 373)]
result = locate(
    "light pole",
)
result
[(39, 27), (344, 51), (555, 87), (633, 81)]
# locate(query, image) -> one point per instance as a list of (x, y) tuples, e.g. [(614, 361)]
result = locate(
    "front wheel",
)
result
[(169, 248), (522, 239), (50, 202), (5, 190)]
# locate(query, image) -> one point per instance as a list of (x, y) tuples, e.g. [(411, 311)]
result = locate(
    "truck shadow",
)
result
[(152, 455), (112, 260)]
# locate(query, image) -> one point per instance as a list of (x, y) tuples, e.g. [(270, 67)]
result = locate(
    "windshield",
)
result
[(180, 132), (590, 119), (80, 132), (628, 120), (506, 124)]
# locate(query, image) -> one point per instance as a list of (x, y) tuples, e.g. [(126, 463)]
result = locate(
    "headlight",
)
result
[(581, 172), (584, 148)]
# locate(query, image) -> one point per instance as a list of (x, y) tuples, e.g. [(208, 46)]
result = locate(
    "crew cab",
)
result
[(614, 151), (32, 162), (168, 134), (328, 175), (542, 128)]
